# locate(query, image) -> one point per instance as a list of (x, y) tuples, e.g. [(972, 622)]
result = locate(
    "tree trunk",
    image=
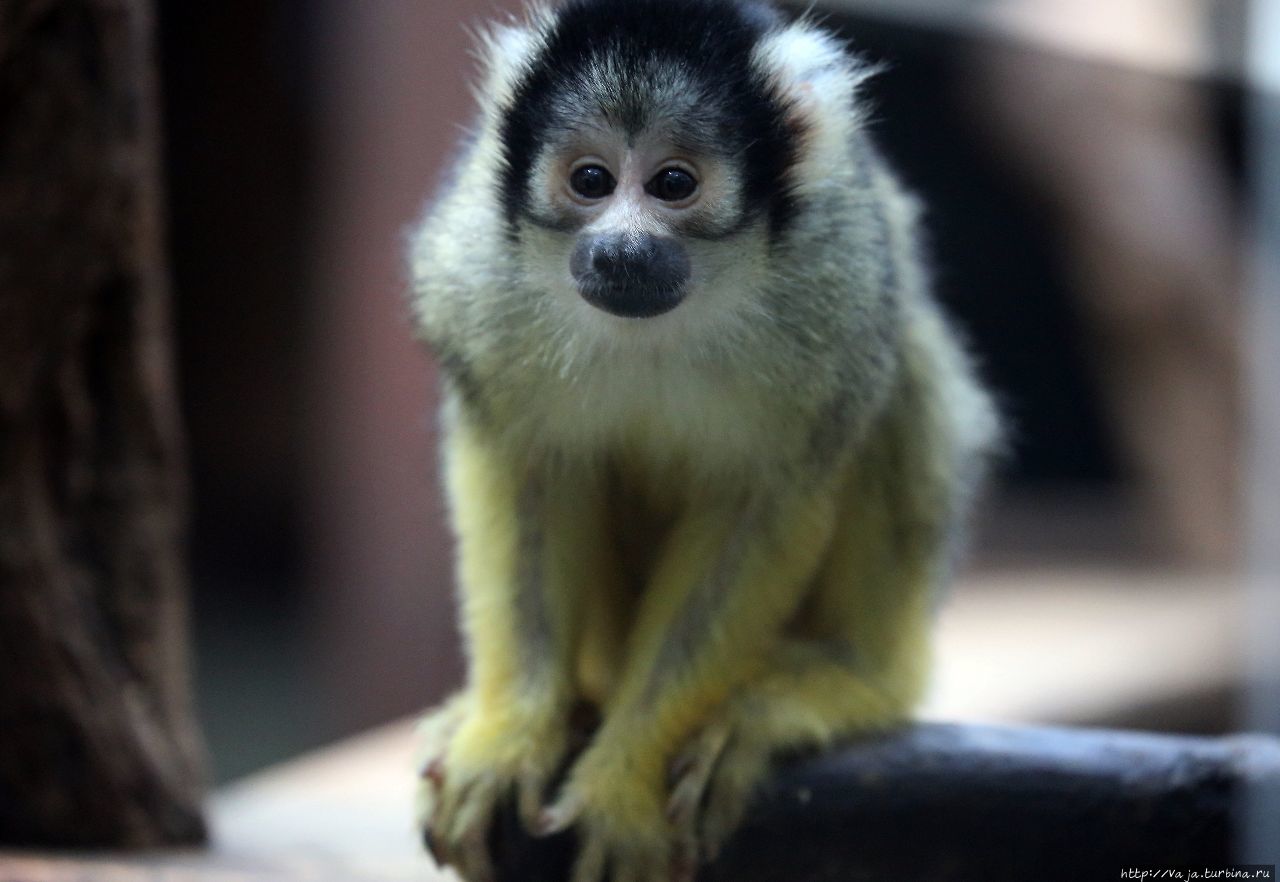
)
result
[(97, 741)]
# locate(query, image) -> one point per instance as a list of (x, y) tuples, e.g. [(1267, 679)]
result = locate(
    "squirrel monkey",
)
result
[(708, 440)]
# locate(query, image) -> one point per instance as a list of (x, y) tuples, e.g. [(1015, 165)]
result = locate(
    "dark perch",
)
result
[(97, 745), (953, 803)]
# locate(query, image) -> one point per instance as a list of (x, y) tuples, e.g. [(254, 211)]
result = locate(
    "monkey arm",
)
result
[(513, 636), (529, 541)]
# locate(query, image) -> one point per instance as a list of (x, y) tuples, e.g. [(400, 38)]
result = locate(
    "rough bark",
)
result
[(97, 743)]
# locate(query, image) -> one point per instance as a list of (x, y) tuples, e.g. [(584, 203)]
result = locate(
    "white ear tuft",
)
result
[(819, 80), (814, 71), (506, 49)]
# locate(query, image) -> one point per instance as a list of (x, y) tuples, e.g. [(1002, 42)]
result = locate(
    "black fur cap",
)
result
[(705, 45)]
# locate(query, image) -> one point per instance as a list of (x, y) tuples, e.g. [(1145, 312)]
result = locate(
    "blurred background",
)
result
[(1095, 176)]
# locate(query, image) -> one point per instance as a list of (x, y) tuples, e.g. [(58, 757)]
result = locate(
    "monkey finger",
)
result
[(434, 733), (474, 861), (694, 767), (530, 787), (447, 803), (433, 771), (464, 830), (426, 805), (433, 848), (558, 817), (474, 809), (728, 795), (448, 823)]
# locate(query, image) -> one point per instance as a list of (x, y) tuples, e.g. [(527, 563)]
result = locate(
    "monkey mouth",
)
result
[(632, 300)]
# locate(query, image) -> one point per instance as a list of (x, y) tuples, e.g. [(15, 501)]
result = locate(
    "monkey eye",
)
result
[(671, 185), (592, 182)]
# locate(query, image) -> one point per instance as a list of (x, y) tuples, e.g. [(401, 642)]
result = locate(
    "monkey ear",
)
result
[(505, 50), (814, 73), (819, 81)]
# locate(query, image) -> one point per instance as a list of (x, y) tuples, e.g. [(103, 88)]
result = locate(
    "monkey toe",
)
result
[(690, 772), (713, 780)]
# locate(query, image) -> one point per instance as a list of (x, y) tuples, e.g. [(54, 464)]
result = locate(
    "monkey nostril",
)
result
[(603, 258), (647, 249), (617, 265), (625, 261)]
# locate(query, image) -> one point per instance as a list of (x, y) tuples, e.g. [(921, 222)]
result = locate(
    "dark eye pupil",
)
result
[(672, 185), (592, 182)]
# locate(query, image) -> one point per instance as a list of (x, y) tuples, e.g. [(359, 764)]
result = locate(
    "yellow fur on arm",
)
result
[(531, 545), (483, 489)]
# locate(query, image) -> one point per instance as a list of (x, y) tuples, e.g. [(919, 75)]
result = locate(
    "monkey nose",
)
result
[(634, 276), (621, 259)]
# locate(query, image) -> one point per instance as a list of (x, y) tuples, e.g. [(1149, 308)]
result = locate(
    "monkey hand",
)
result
[(471, 761), (615, 798)]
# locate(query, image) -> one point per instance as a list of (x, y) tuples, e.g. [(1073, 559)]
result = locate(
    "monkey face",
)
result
[(633, 224), (644, 181), (629, 205), (628, 257)]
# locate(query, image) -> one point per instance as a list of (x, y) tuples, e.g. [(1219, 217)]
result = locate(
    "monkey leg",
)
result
[(528, 544), (726, 581)]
